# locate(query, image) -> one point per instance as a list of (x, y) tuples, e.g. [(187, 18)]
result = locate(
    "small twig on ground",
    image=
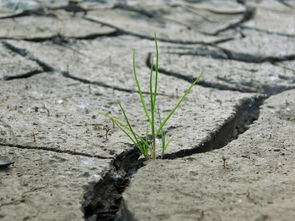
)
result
[(34, 137), (107, 130)]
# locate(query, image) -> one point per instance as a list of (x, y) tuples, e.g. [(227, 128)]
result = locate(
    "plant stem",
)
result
[(154, 144), (153, 150), (154, 98)]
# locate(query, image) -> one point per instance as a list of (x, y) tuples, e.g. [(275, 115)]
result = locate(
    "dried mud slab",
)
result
[(178, 22), (106, 62), (198, 119), (288, 65), (225, 73), (12, 8), (50, 25), (273, 16), (216, 6), (73, 64), (13, 65), (261, 44), (251, 178), (70, 104), (50, 111), (53, 114), (43, 185)]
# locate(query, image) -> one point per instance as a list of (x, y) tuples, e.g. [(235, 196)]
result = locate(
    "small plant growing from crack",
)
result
[(147, 147)]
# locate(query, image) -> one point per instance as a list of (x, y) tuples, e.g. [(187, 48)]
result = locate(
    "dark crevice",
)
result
[(102, 200), (285, 3), (47, 68), (139, 10), (242, 2), (155, 15), (229, 85), (246, 113), (206, 84), (224, 87), (232, 55), (61, 39), (72, 7), (260, 88), (26, 54), (25, 75), (70, 152), (248, 15), (226, 13), (225, 54), (202, 83), (94, 36), (124, 32), (56, 39), (267, 32), (35, 12), (221, 41), (101, 84)]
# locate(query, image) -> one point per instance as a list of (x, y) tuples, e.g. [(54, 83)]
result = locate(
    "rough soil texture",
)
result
[(251, 178), (233, 148)]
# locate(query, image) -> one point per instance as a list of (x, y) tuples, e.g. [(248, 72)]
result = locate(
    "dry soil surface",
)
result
[(232, 152)]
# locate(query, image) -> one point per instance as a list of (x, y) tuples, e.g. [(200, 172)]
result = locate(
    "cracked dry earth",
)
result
[(232, 156)]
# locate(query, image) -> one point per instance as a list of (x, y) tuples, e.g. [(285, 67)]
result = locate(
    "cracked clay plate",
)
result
[(5, 162)]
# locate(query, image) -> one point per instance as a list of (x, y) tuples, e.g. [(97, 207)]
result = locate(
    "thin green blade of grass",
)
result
[(113, 119), (169, 141), (166, 146), (163, 134), (157, 69), (146, 135), (139, 89), (154, 100), (136, 136), (147, 139), (147, 147), (151, 83), (177, 105), (128, 123), (121, 126)]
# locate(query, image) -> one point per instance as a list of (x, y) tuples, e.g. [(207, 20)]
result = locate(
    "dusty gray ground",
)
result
[(257, 181), (233, 146)]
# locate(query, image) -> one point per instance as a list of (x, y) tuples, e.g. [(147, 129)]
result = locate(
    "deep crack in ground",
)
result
[(102, 200)]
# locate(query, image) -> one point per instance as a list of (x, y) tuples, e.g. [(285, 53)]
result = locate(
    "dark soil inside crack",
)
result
[(103, 200), (61, 61)]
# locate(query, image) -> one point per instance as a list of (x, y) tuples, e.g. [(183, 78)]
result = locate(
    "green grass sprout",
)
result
[(146, 145)]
